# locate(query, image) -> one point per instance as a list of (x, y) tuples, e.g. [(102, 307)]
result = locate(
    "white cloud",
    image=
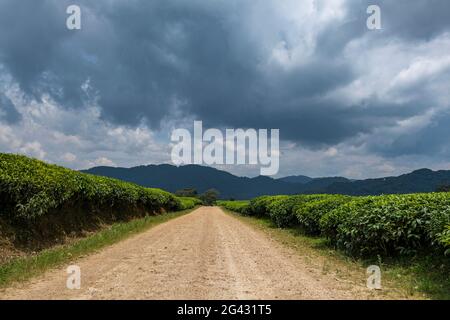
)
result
[(69, 157), (103, 161), (75, 138)]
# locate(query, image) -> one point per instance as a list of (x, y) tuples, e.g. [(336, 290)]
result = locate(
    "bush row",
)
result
[(236, 206), (189, 202), (387, 225), (32, 191)]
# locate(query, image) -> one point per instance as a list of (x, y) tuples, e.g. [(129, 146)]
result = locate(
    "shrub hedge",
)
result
[(386, 225), (189, 202), (41, 203), (310, 213), (236, 206)]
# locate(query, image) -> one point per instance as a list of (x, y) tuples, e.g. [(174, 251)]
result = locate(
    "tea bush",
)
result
[(385, 225), (189, 202), (445, 240), (390, 224), (30, 189), (310, 213), (259, 206), (236, 206), (282, 209)]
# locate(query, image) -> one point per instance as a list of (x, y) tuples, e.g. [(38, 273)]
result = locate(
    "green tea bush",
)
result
[(189, 202), (30, 189), (282, 209), (388, 224), (445, 240), (259, 206), (236, 206), (310, 213), (330, 221), (438, 228)]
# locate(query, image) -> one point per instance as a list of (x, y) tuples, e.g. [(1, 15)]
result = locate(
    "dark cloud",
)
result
[(144, 59), (8, 111), (419, 19), (431, 139)]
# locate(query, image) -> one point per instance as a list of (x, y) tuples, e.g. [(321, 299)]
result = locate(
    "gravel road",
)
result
[(206, 254)]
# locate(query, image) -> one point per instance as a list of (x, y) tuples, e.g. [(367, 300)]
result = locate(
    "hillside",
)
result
[(423, 180), (174, 178), (296, 179)]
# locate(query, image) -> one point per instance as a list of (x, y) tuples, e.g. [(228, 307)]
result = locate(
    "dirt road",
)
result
[(206, 254)]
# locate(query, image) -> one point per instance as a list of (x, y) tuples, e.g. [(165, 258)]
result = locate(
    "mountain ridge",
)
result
[(173, 178)]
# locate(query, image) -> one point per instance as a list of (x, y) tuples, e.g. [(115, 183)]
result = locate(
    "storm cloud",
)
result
[(308, 67)]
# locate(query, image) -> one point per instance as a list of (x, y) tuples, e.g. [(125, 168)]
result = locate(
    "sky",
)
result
[(348, 101)]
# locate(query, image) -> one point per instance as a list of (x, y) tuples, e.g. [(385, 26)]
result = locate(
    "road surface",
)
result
[(206, 254)]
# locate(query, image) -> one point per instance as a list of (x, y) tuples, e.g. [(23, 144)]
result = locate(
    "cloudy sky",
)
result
[(348, 100)]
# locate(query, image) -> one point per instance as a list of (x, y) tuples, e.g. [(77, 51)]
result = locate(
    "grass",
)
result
[(429, 275), (24, 268), (419, 277)]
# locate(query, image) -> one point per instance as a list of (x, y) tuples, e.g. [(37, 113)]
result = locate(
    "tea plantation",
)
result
[(39, 200), (363, 226)]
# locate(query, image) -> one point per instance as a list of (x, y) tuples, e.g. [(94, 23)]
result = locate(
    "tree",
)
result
[(443, 188), (187, 192), (210, 197)]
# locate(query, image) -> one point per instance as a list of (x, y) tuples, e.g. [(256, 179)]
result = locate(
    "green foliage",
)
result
[(310, 213), (445, 240), (236, 206), (385, 225), (210, 197), (283, 211), (189, 202), (443, 188), (30, 189), (259, 206), (188, 192), (330, 221), (391, 224)]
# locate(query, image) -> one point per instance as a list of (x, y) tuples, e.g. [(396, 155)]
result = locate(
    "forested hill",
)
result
[(172, 178)]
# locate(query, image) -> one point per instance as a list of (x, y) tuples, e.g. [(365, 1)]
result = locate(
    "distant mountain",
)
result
[(318, 185), (296, 179), (172, 178), (423, 180)]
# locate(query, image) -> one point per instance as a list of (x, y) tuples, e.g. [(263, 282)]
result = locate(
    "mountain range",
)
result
[(173, 178)]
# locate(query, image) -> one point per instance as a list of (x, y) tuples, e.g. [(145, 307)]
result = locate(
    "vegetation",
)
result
[(174, 178), (443, 188), (408, 236), (418, 276), (236, 206), (310, 214), (187, 192), (388, 225), (41, 204), (189, 202), (210, 197)]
